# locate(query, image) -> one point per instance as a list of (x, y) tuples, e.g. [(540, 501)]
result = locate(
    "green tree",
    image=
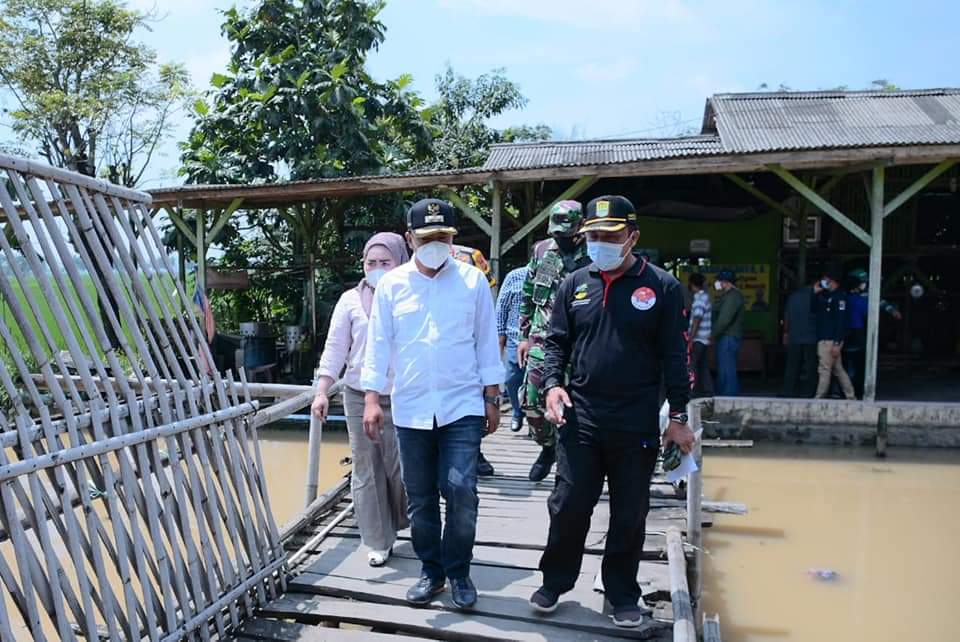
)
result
[(296, 102), (89, 96), (462, 113)]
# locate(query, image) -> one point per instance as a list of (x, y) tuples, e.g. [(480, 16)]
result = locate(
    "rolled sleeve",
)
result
[(488, 347), (377, 358)]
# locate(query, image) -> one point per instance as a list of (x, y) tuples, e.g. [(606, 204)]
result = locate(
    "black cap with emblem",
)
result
[(609, 214), (431, 216)]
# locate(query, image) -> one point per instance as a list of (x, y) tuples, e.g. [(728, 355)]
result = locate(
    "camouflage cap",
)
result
[(565, 218)]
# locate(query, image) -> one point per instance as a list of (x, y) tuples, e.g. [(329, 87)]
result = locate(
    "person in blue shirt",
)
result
[(855, 343), (508, 330)]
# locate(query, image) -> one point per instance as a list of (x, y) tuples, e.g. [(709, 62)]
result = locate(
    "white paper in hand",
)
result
[(687, 465)]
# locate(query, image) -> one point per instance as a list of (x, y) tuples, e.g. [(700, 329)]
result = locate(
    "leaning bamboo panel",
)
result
[(132, 497)]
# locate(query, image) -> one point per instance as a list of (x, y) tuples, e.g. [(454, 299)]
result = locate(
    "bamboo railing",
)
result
[(131, 481)]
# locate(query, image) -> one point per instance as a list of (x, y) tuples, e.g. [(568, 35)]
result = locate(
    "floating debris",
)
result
[(823, 574)]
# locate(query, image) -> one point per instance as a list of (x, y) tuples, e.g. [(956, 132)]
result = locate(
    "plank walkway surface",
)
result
[(333, 586)]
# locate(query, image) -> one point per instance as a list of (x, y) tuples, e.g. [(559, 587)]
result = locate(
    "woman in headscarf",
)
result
[(379, 499)]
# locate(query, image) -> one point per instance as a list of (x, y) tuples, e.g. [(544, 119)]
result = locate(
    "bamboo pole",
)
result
[(694, 513), (684, 628)]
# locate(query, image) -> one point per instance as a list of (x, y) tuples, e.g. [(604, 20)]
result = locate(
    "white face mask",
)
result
[(825, 284), (606, 256), (373, 276), (433, 254), (717, 286)]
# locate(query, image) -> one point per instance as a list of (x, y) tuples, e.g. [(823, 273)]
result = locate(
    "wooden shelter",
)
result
[(780, 148)]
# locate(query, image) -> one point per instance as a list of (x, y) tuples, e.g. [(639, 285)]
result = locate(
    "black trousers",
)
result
[(800, 377), (701, 370), (585, 457)]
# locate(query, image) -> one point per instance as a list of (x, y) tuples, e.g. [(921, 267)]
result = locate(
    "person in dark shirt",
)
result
[(620, 326), (800, 337), (830, 308)]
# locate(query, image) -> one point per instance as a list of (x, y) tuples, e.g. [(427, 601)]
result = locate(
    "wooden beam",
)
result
[(181, 225), (201, 245), (921, 182), (468, 211), (760, 196), (222, 221), (495, 248), (875, 285), (579, 187), (821, 204)]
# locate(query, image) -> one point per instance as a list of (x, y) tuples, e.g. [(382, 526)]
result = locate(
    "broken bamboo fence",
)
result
[(129, 510)]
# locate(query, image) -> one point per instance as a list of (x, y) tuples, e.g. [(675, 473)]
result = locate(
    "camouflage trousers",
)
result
[(533, 401)]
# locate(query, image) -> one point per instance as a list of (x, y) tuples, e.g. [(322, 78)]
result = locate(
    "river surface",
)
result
[(888, 528)]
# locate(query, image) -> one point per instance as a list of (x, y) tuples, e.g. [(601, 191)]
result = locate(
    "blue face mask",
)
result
[(606, 256)]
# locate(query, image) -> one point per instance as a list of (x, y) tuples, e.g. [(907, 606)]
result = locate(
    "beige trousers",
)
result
[(831, 365), (379, 499)]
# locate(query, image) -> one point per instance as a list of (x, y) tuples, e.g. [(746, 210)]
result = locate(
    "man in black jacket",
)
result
[(830, 307), (619, 324)]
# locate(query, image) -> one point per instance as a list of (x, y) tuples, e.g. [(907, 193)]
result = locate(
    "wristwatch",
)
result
[(493, 401)]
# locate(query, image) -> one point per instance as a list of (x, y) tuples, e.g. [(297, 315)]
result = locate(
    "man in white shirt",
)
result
[(433, 321)]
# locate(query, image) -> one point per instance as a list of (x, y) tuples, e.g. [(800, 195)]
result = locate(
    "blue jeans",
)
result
[(442, 461), (513, 382), (727, 383)]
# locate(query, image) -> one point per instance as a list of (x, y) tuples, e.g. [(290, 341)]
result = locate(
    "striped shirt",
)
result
[(508, 307), (701, 310)]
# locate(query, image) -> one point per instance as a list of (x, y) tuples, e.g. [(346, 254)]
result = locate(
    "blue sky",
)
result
[(611, 68)]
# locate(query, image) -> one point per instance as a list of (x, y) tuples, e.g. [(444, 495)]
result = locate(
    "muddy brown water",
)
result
[(887, 528)]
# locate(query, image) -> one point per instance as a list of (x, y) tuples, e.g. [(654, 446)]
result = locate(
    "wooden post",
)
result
[(873, 291), (802, 247), (694, 513), (496, 229), (684, 629), (312, 299), (313, 459), (201, 250), (882, 433), (181, 261)]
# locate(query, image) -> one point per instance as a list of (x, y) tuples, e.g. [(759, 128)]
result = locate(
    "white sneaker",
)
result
[(378, 558)]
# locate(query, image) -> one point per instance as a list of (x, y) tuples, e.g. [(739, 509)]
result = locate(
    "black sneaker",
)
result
[(421, 593), (541, 467), (516, 424), (544, 600), (484, 467), (464, 593), (627, 617)]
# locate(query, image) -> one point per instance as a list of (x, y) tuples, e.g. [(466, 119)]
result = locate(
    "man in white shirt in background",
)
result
[(433, 322)]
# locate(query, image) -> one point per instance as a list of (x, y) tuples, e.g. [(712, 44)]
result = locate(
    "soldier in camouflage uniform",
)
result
[(552, 260)]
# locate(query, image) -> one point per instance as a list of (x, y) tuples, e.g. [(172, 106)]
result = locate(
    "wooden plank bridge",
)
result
[(331, 584), (132, 498)]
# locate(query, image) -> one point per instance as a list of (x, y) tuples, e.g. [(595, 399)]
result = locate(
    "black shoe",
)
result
[(421, 593), (464, 592), (484, 467), (627, 617), (516, 424), (544, 600), (541, 467)]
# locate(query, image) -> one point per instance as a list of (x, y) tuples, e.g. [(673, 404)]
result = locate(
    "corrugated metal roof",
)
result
[(762, 122), (509, 156)]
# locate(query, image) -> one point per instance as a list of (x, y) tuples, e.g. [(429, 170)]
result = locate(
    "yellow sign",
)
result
[(753, 281)]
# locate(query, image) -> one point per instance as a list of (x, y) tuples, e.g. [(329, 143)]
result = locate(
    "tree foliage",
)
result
[(297, 102), (89, 96), (462, 117)]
